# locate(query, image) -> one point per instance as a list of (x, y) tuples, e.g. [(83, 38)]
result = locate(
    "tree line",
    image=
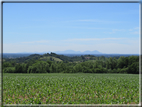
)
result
[(92, 65)]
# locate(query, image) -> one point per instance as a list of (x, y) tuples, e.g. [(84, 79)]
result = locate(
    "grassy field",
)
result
[(70, 88)]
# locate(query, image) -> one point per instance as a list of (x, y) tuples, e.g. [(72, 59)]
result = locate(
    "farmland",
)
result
[(67, 88)]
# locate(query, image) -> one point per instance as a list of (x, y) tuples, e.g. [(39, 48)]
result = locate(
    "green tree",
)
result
[(133, 68), (18, 68)]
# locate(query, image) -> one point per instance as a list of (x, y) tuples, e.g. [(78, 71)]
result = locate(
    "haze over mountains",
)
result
[(66, 53), (77, 52)]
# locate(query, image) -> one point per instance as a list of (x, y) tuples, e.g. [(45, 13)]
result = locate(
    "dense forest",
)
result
[(53, 63)]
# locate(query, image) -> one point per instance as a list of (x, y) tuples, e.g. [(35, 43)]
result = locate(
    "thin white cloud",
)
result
[(132, 31), (136, 28), (135, 31), (41, 41), (99, 21), (115, 31), (118, 30), (92, 39), (84, 27), (71, 40)]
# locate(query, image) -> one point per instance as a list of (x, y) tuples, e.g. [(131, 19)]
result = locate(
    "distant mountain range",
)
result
[(77, 52), (66, 53)]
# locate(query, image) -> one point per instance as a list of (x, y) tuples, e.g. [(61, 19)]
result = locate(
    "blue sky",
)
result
[(44, 27)]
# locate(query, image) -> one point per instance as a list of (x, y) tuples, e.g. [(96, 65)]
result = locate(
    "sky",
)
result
[(48, 27)]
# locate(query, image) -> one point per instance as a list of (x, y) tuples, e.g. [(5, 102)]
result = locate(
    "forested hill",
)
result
[(55, 57), (53, 63)]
